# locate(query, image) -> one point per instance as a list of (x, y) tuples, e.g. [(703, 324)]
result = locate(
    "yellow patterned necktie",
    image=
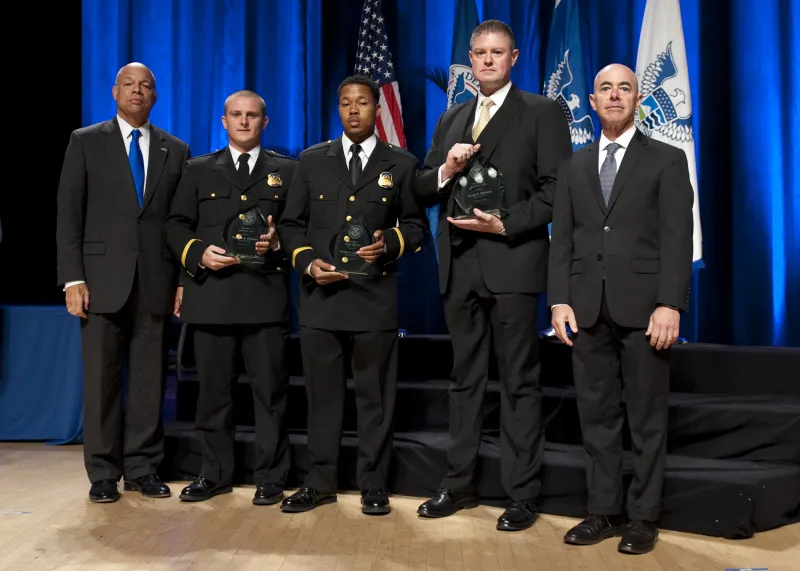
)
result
[(483, 119)]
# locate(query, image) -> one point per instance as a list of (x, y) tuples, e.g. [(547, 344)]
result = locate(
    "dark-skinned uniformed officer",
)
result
[(235, 308), (347, 316)]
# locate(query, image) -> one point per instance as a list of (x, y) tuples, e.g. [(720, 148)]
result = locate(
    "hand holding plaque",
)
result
[(241, 233), (346, 243), (479, 186)]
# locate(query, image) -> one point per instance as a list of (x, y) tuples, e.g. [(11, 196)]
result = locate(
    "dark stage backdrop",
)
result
[(744, 72)]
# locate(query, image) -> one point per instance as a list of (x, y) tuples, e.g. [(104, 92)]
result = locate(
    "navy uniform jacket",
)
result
[(209, 195), (321, 200)]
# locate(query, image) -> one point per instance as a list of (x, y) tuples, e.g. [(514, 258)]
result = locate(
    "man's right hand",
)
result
[(325, 273), (562, 315), (457, 159), (77, 300), (214, 260)]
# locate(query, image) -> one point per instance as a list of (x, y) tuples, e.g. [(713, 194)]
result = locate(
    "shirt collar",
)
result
[(498, 96), (623, 140), (252, 152), (367, 145), (126, 128)]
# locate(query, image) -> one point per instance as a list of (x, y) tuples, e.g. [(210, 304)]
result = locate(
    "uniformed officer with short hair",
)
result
[(356, 177), (232, 307)]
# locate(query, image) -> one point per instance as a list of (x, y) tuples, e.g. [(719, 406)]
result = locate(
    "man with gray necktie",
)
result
[(619, 271)]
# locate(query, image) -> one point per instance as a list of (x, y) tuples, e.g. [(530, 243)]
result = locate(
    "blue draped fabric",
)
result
[(744, 83), (41, 375)]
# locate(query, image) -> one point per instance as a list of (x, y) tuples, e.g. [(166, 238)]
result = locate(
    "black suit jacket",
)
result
[(527, 139), (102, 234), (209, 195), (641, 243), (322, 199)]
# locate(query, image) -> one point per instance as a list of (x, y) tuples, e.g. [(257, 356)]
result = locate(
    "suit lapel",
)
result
[(334, 161), (157, 158), (118, 156), (632, 155), (224, 166), (377, 163), (592, 168), (458, 128), (497, 126)]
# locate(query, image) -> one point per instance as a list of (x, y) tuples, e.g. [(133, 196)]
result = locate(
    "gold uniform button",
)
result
[(384, 273), (276, 196), (244, 197), (347, 238), (321, 196), (213, 194), (241, 217), (344, 259), (352, 198), (349, 218), (278, 269), (383, 199)]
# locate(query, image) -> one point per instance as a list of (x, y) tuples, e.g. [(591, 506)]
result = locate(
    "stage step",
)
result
[(725, 498), (705, 426)]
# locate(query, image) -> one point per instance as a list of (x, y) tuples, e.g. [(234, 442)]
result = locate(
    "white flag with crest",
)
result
[(666, 110)]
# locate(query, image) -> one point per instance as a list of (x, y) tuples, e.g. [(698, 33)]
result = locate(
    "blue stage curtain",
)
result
[(744, 83), (41, 375)]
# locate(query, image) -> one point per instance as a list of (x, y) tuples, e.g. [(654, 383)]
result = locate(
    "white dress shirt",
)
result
[(498, 97), (144, 145), (367, 147), (624, 140), (251, 162)]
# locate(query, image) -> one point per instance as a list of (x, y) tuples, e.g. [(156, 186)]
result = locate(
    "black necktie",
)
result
[(244, 169), (355, 164)]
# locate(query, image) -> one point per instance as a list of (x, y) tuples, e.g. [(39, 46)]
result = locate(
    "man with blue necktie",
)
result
[(116, 187)]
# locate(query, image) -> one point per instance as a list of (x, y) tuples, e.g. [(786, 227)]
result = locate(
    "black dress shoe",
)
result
[(104, 491), (267, 494), (306, 499), (446, 503), (202, 489), (150, 485), (375, 502), (638, 537), (518, 516), (595, 529)]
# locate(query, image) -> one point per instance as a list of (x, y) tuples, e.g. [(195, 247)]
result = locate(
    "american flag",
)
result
[(375, 60)]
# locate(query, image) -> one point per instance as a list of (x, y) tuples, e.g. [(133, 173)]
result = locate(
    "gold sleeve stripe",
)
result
[(402, 242), (297, 251), (186, 250)]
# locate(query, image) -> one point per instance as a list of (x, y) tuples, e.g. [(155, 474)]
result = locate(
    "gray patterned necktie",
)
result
[(608, 171)]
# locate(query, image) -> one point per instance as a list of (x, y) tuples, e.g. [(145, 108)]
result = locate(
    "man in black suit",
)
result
[(491, 270), (232, 306), (116, 186), (620, 265), (356, 178)]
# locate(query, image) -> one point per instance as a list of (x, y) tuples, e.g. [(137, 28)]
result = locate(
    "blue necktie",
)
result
[(137, 165)]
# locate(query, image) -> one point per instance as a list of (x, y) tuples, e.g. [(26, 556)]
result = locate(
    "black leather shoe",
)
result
[(150, 485), (306, 499), (202, 489), (104, 491), (518, 516), (267, 494), (375, 502), (446, 503), (595, 529), (638, 537)]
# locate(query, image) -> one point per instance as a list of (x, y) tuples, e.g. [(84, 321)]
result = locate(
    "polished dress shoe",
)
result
[(267, 494), (446, 503), (203, 489), (306, 499), (104, 491), (638, 537), (375, 502), (518, 516), (595, 529), (150, 485)]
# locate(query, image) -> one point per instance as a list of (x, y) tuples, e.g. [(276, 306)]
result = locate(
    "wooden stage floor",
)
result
[(47, 522)]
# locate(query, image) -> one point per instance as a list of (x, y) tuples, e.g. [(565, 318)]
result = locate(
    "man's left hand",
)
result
[(481, 223), (176, 311), (269, 240), (664, 326), (373, 252)]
